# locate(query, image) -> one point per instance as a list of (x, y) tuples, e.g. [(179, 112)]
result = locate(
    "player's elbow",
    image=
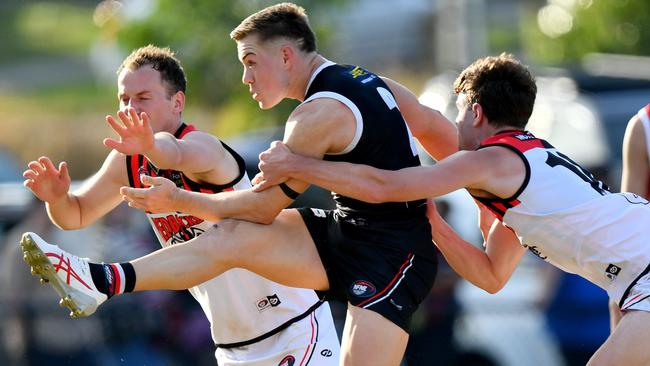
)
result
[(493, 288), (374, 195), (494, 285), (380, 189)]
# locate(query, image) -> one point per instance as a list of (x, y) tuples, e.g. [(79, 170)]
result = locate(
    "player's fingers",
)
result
[(116, 126), (124, 117), (36, 167), (259, 187), (145, 120), (136, 205), (29, 174), (134, 117), (28, 183), (257, 178), (63, 169), (152, 181), (111, 143), (129, 193), (47, 164)]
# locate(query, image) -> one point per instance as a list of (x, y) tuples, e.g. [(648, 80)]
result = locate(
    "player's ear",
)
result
[(288, 53), (477, 112), (178, 101)]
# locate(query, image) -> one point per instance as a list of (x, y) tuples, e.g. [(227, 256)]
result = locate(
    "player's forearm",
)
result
[(65, 212), (468, 261), (243, 205), (360, 182)]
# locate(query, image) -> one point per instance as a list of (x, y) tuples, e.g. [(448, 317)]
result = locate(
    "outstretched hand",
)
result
[(136, 134), (46, 181), (158, 197), (274, 166)]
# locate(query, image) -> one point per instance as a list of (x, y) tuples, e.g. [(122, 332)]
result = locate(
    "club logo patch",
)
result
[(362, 289), (326, 353), (612, 271), (268, 302), (287, 361)]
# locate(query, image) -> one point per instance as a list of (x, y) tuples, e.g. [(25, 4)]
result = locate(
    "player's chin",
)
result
[(263, 105)]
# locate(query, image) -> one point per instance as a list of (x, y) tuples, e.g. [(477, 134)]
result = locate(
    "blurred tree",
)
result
[(565, 31), (199, 31)]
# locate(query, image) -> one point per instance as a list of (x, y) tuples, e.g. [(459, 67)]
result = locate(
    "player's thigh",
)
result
[(628, 344), (371, 339), (282, 251)]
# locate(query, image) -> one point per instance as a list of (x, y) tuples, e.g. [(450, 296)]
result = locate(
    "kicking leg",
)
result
[(627, 344), (283, 252), (371, 339)]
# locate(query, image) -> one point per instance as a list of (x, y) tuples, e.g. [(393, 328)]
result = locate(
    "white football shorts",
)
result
[(639, 296)]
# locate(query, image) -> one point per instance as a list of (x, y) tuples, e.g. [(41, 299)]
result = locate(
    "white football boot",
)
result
[(67, 273)]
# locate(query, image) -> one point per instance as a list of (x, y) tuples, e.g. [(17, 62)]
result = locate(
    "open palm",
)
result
[(136, 134), (46, 181)]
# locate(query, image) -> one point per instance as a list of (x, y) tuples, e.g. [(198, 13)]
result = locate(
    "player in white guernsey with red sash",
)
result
[(254, 321), (538, 199), (243, 307)]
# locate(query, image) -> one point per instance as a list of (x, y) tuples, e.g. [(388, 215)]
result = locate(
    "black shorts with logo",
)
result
[(387, 266)]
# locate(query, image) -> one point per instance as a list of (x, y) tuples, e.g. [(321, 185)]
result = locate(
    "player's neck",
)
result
[(311, 65), (504, 129), (174, 126)]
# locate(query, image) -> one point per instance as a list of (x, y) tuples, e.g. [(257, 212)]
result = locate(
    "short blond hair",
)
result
[(280, 20)]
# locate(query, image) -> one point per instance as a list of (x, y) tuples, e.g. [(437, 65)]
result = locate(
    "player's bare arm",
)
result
[(636, 167), (489, 269), (437, 134), (476, 170), (74, 210), (199, 155), (310, 130)]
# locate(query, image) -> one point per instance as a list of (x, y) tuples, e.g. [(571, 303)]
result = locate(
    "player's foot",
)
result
[(68, 274)]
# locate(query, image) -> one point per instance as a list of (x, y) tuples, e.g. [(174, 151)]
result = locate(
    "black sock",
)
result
[(113, 278), (129, 276)]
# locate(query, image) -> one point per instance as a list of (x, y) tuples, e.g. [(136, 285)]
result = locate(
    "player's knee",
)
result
[(221, 241)]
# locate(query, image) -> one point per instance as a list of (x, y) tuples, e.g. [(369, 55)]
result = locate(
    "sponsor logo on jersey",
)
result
[(326, 353), (533, 249), (287, 361), (153, 171), (612, 271), (357, 71), (363, 289), (179, 228), (524, 137), (268, 302)]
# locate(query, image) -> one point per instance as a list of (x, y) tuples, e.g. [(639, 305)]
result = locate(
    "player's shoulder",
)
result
[(635, 124), (321, 110)]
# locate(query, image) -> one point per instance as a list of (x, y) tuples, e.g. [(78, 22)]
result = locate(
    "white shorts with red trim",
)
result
[(639, 296), (312, 341)]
